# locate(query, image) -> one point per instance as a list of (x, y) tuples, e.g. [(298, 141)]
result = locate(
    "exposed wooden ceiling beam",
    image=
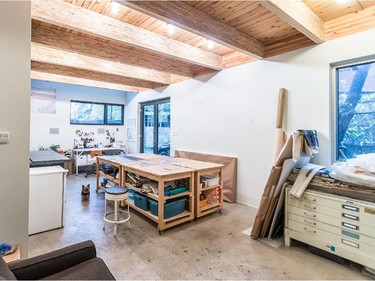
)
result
[(351, 23), (73, 42), (91, 75), (47, 54), (83, 20), (298, 15), (82, 81), (191, 19), (288, 44)]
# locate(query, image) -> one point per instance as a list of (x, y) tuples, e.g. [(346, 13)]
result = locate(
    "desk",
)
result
[(161, 170), (77, 152), (47, 158)]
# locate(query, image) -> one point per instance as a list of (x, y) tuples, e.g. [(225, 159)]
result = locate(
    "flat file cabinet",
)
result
[(337, 224)]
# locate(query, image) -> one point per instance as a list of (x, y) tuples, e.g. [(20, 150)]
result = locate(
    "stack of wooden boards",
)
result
[(269, 219)]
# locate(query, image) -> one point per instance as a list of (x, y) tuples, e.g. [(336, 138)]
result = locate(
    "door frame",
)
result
[(156, 127)]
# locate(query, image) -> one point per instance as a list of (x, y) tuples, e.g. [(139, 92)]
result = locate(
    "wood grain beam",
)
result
[(47, 54), (78, 43), (351, 23), (91, 75), (82, 82), (191, 19), (83, 20), (298, 15), (288, 44)]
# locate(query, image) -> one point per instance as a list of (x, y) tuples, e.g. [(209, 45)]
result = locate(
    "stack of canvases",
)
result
[(296, 152)]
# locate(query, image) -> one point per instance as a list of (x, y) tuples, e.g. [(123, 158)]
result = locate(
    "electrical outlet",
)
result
[(4, 137)]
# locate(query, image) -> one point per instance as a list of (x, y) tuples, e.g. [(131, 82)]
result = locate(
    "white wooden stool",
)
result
[(116, 194)]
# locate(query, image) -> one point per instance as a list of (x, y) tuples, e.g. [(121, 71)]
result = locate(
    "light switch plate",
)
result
[(4, 137)]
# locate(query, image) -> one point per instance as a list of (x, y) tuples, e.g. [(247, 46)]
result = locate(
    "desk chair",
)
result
[(92, 161)]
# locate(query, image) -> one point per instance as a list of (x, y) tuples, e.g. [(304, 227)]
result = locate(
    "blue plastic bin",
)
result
[(141, 201), (171, 208), (131, 195)]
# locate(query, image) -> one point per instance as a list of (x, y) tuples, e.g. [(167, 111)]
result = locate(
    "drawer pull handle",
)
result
[(309, 200), (350, 208), (351, 217), (309, 207), (349, 225), (310, 223), (350, 243), (310, 231), (350, 234), (308, 215)]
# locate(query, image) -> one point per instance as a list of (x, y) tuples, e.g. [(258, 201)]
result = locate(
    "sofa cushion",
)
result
[(93, 269), (5, 273)]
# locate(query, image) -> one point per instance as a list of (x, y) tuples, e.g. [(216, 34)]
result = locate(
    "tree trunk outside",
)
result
[(354, 95)]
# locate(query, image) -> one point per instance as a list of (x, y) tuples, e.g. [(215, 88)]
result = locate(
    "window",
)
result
[(355, 109), (92, 113), (115, 114)]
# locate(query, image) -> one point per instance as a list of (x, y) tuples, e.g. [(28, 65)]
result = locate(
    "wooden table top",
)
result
[(159, 165)]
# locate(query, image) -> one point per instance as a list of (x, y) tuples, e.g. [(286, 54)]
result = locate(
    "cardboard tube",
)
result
[(279, 134), (280, 108)]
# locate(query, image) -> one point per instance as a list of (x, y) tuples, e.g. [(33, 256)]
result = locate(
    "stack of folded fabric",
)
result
[(305, 143)]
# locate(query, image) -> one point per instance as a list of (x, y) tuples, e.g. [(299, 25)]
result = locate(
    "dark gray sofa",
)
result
[(75, 262)]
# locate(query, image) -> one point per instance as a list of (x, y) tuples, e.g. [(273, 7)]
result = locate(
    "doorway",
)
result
[(155, 127)]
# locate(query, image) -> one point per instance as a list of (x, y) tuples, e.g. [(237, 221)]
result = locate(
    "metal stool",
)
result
[(116, 194)]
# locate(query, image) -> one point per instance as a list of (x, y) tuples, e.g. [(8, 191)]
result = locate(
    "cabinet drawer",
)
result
[(335, 206), (328, 246), (80, 160), (343, 229), (335, 218), (347, 243)]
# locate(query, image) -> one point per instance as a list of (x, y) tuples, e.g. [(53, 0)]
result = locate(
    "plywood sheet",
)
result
[(229, 170)]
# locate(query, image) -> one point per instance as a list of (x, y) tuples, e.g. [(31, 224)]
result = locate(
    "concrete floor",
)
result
[(211, 248)]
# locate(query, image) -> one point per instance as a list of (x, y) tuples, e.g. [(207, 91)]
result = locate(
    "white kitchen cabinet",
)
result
[(46, 198)]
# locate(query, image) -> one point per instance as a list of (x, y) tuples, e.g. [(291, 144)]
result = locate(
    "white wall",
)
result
[(41, 123), (15, 34), (233, 112)]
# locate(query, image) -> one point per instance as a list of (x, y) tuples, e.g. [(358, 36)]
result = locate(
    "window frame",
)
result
[(105, 112), (334, 99)]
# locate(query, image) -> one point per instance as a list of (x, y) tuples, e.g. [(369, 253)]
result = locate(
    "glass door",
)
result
[(155, 127)]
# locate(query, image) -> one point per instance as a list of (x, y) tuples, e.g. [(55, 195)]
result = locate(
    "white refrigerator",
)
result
[(46, 198)]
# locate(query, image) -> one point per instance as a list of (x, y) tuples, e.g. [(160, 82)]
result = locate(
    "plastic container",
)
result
[(171, 208), (131, 195), (141, 201), (211, 180), (203, 203)]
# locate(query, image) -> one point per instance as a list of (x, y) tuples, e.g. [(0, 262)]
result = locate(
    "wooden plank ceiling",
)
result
[(126, 45)]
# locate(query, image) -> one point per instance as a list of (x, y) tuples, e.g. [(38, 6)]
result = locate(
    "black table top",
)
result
[(46, 158)]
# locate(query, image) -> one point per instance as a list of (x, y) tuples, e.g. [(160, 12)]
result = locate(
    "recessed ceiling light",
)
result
[(171, 28), (115, 8), (210, 44)]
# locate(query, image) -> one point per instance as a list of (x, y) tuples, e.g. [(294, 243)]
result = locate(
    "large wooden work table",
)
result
[(163, 169)]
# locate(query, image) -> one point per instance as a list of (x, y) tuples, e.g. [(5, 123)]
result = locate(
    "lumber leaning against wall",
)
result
[(263, 216)]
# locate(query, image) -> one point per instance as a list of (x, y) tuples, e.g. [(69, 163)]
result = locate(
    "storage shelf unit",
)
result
[(209, 208), (162, 170), (340, 225), (161, 179), (99, 173)]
